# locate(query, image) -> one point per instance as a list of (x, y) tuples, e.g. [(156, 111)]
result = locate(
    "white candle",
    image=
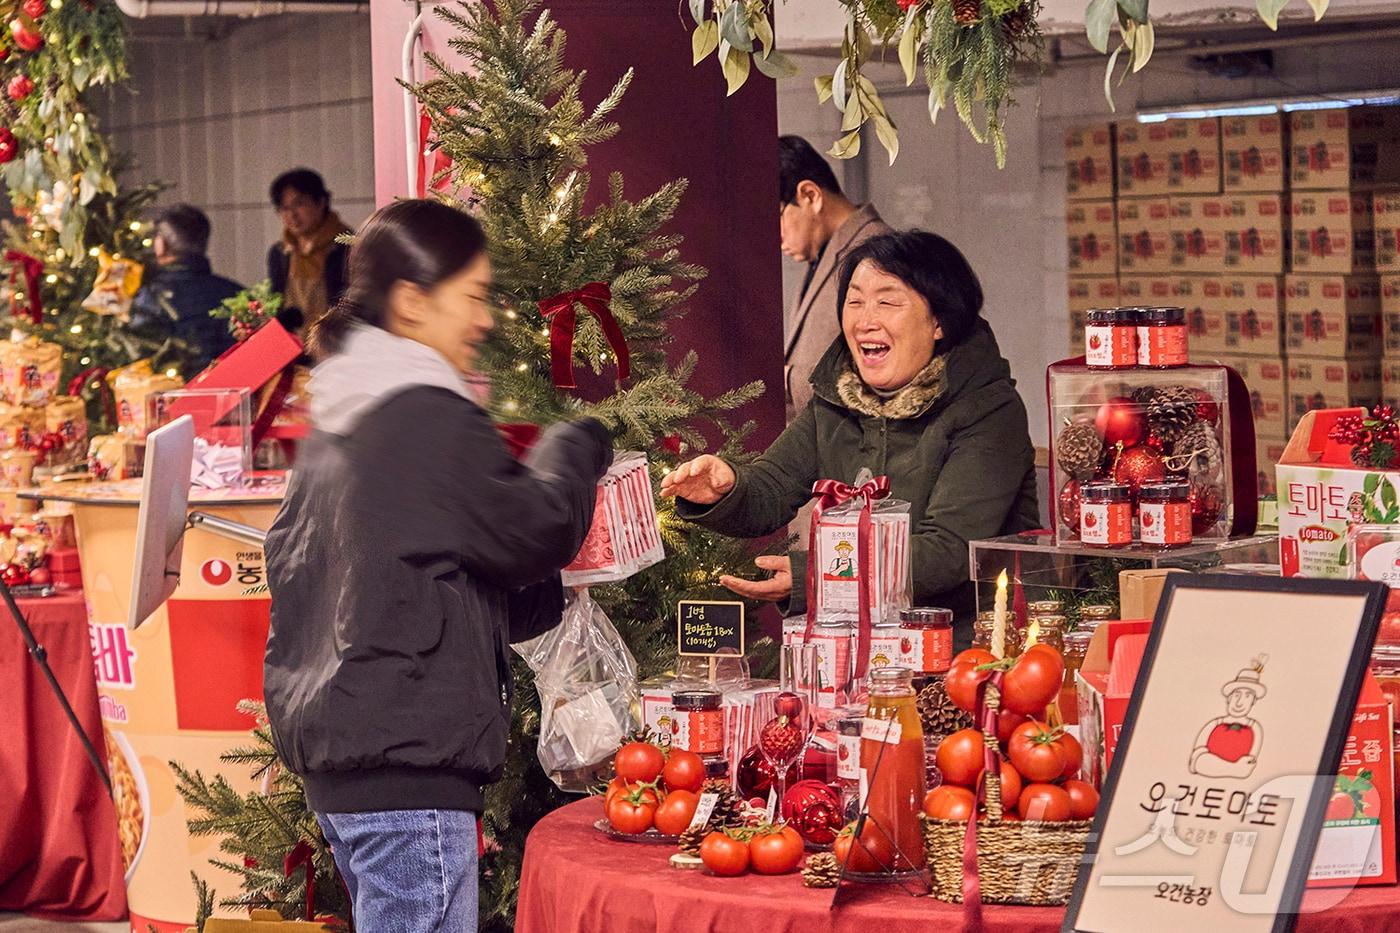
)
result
[(999, 619), (1032, 632)]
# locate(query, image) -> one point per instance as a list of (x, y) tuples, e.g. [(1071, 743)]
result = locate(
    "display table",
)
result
[(574, 878), (59, 853)]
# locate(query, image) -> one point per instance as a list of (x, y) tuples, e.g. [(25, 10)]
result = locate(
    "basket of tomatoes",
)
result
[(1015, 777), (655, 794)]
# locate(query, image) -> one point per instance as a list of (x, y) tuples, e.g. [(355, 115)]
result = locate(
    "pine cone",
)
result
[(821, 871), (1170, 411), (691, 839), (729, 809), (967, 12), (1197, 454), (937, 712), (1080, 449)]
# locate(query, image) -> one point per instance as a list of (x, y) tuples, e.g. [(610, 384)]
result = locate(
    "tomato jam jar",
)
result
[(1106, 514), (1110, 338), (1161, 337), (1164, 514)]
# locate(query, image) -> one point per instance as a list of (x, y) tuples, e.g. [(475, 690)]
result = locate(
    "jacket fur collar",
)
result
[(909, 402)]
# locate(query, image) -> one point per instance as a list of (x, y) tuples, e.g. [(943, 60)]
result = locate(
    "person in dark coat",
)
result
[(915, 389), (307, 266), (177, 299), (411, 549)]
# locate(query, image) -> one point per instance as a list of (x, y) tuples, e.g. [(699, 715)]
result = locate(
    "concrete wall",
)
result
[(1010, 223), (218, 119)]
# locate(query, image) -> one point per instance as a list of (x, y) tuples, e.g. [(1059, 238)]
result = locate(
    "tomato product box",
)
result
[(1144, 235), (1390, 382), (1104, 685), (1252, 307), (1085, 294), (1266, 378), (1321, 493), (1089, 161), (1390, 314), (1332, 316), (1154, 290), (1092, 232), (1198, 234), (1267, 454), (1205, 320), (1142, 156), (1333, 231), (1193, 155), (1254, 153), (1255, 231), (1356, 147), (1316, 385), (1386, 208), (1357, 844)]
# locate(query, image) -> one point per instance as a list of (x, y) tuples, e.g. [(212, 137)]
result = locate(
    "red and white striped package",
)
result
[(625, 536)]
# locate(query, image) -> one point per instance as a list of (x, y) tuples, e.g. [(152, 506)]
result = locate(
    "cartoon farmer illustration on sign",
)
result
[(842, 565), (1228, 746)]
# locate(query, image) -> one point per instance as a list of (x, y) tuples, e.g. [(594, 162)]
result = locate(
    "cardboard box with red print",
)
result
[(1205, 317), (1198, 235), (1332, 316), (1316, 385), (1333, 232), (1255, 231), (1390, 314), (1266, 377), (1252, 307), (1254, 153), (1386, 208), (1086, 293), (1092, 232), (1355, 147), (1144, 235), (1089, 161)]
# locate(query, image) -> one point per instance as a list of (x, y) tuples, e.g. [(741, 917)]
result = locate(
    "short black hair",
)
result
[(799, 162), (302, 180), (934, 268), (185, 230)]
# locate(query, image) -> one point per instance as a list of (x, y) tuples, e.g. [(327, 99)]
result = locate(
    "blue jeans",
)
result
[(410, 871)]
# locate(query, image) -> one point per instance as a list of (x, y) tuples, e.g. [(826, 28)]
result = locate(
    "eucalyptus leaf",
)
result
[(937, 99), (838, 84), (1144, 41), (1098, 20), (847, 147), (777, 65), (734, 27), (1269, 11), (823, 85), (697, 11), (1319, 7), (1108, 79), (704, 40), (909, 49), (764, 30), (888, 135), (854, 114), (736, 70), (1137, 9), (863, 43), (724, 48)]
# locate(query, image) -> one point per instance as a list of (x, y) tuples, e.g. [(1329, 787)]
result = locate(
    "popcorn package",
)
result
[(20, 426), (132, 389), (625, 536), (66, 416), (29, 371)]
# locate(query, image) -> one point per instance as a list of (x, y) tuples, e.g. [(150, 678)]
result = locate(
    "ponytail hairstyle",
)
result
[(416, 240)]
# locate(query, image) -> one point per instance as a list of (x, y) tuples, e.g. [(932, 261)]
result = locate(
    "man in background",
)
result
[(307, 266), (177, 299), (819, 226)]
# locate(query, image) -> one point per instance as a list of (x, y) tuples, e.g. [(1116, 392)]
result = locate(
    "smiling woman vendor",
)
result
[(915, 389)]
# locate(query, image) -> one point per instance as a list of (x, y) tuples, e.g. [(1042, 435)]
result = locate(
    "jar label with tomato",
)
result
[(1107, 346), (1162, 346), (1106, 523), (848, 757), (1165, 523)]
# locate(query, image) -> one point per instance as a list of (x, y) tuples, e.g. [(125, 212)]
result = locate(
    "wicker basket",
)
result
[(1019, 861)]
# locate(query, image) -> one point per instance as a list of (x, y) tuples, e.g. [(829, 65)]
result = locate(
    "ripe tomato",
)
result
[(1083, 799), (1011, 784), (1036, 753), (1007, 721), (872, 853), (1044, 802), (963, 677), (950, 803), (616, 786), (776, 852), (674, 814), (1033, 681), (724, 855), (631, 816), (1074, 755), (1011, 815), (960, 757), (639, 761), (684, 770)]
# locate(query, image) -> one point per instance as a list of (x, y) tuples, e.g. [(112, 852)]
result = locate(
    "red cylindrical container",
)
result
[(1106, 514), (1164, 514), (704, 715), (1161, 338), (1110, 338), (929, 633)]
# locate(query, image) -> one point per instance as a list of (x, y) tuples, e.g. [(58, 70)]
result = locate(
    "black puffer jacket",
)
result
[(410, 550)]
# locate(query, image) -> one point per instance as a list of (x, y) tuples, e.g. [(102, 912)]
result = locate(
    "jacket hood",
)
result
[(971, 365), (373, 365)]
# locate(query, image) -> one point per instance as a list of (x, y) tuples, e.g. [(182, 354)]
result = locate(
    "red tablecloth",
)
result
[(575, 880), (59, 854)]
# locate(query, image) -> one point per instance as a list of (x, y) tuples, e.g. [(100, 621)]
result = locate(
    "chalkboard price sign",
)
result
[(706, 629)]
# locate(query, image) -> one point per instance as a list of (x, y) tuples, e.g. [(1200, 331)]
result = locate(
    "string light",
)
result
[(522, 367), (94, 252), (554, 139), (77, 117), (510, 405), (172, 372), (135, 226), (147, 241), (56, 5), (544, 331), (552, 218), (60, 254), (36, 235), (510, 314), (76, 329), (85, 361), (51, 278)]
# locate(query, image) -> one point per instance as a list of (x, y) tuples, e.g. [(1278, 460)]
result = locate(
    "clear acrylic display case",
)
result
[(223, 422)]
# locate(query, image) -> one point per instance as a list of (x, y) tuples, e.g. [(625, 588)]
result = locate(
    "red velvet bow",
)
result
[(303, 856), (829, 493), (559, 312), (430, 164), (32, 268), (75, 388)]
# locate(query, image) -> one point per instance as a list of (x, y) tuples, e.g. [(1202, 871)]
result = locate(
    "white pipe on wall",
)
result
[(141, 9), (409, 75)]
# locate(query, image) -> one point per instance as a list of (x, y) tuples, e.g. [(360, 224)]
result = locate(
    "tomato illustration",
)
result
[(1230, 741), (1090, 520), (1146, 519), (1354, 797)]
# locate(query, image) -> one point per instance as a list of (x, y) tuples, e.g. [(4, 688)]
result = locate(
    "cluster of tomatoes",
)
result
[(654, 789), (767, 849), (1039, 763)]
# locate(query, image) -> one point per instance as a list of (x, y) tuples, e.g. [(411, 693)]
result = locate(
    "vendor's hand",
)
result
[(773, 589), (704, 480)]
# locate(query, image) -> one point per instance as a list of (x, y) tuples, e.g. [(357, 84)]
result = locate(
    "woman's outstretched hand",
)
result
[(776, 587), (704, 480)]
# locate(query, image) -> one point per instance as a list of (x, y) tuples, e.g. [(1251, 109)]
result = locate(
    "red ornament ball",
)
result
[(26, 38), (754, 776), (1139, 465), (1207, 408), (9, 146), (19, 87), (1154, 441), (14, 575), (1069, 505), (814, 810), (1121, 421), (40, 576), (1207, 502), (34, 8)]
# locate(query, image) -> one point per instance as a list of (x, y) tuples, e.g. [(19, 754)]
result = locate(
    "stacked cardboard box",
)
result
[(1387, 214), (1085, 294), (1089, 162)]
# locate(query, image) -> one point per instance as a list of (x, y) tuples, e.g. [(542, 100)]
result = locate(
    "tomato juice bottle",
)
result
[(892, 766)]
